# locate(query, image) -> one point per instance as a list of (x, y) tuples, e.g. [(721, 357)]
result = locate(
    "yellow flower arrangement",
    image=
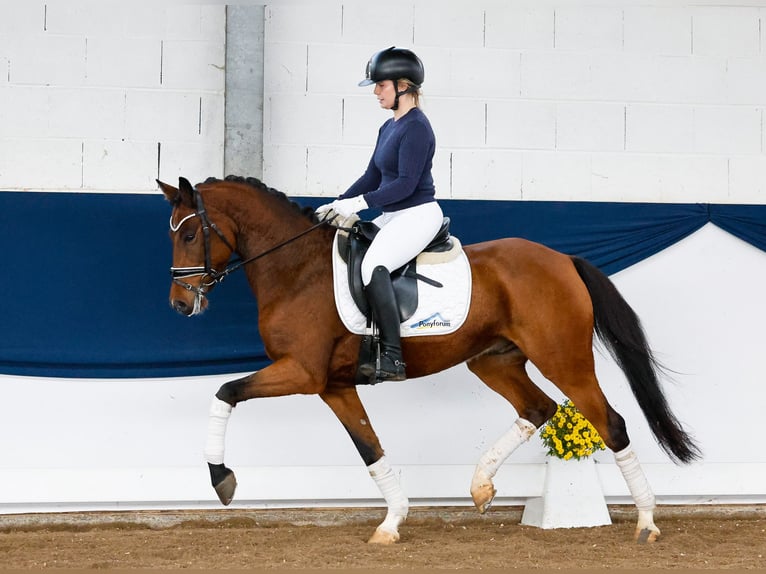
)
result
[(569, 435)]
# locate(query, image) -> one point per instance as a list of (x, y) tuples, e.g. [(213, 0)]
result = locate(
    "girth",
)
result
[(353, 246)]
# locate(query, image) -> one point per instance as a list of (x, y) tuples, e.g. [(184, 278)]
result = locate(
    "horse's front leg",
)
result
[(348, 408), (284, 377)]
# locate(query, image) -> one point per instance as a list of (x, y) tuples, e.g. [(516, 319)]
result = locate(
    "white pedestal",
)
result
[(572, 497)]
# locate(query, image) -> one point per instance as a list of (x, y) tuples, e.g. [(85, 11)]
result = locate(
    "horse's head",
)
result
[(201, 247)]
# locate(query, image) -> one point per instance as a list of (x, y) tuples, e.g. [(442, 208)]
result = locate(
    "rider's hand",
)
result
[(323, 210), (347, 207), (342, 207)]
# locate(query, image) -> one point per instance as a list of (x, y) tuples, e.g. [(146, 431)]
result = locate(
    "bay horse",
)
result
[(528, 303)]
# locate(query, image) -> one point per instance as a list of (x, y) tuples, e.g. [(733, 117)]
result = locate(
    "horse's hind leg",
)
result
[(505, 373), (348, 408), (584, 391)]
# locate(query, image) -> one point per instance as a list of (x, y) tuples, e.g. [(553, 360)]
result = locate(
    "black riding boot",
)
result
[(380, 294)]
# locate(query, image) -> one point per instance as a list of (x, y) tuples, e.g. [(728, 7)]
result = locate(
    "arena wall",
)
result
[(596, 101)]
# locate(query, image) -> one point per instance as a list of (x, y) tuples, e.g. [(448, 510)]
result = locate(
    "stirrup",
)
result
[(377, 372), (393, 371)]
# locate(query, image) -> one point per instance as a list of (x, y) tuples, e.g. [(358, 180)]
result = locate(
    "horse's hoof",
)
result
[(646, 536), (483, 495), (382, 536), (224, 482)]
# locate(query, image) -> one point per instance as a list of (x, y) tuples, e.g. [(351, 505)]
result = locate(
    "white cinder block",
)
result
[(212, 120), (696, 79), (662, 30), (362, 118), (195, 161), (449, 24), (285, 68), (193, 65), (556, 75), (159, 115), (146, 20), (442, 172), (377, 28), (438, 67), (624, 177), (123, 62), (336, 69), (497, 72), (526, 27), (746, 80), (521, 124), (86, 113), (24, 111), (119, 165), (590, 126), (189, 21), (303, 120), (556, 176), (659, 128), (486, 174), (21, 18), (727, 130), (304, 22), (20, 163), (747, 180), (45, 59), (89, 19), (623, 77), (457, 123), (285, 168), (688, 178), (588, 28), (726, 31), (323, 177)]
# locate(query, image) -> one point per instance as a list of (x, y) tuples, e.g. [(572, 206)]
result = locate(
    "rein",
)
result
[(179, 273)]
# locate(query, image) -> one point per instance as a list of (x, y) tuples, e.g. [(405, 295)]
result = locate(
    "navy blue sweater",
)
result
[(399, 173)]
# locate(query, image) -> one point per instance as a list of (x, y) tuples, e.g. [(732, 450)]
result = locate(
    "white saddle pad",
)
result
[(441, 310)]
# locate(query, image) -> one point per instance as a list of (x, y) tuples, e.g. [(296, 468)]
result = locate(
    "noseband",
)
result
[(180, 273)]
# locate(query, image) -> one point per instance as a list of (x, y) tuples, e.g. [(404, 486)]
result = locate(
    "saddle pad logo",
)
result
[(441, 310), (435, 321)]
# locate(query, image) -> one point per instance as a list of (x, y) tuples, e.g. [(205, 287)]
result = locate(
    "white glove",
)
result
[(343, 207)]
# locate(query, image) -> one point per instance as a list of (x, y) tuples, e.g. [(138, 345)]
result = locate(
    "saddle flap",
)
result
[(353, 245)]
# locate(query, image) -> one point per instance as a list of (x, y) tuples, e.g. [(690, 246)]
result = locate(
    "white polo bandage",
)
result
[(518, 434), (634, 476), (396, 500), (216, 430)]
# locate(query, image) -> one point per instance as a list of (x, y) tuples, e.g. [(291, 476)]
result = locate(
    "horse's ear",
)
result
[(171, 193), (186, 192)]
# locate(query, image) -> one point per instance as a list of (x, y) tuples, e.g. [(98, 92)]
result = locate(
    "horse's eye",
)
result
[(189, 237)]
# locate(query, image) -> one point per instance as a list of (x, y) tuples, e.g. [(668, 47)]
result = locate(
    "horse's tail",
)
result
[(619, 329)]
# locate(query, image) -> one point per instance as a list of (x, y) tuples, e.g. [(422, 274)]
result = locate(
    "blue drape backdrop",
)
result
[(85, 276)]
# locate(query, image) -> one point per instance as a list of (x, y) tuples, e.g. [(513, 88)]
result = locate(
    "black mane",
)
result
[(256, 183)]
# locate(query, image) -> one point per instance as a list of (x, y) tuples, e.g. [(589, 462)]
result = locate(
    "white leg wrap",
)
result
[(216, 430), (637, 484), (392, 492), (518, 434)]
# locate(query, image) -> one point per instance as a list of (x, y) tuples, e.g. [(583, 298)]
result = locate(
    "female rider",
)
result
[(397, 181)]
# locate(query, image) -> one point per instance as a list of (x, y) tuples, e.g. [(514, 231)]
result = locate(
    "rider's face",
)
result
[(385, 93)]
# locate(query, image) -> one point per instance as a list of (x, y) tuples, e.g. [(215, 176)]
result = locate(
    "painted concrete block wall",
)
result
[(629, 101), (110, 96)]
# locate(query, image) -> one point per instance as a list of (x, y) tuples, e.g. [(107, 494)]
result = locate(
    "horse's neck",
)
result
[(286, 255)]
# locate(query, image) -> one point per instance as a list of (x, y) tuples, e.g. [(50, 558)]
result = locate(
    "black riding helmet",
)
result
[(395, 64)]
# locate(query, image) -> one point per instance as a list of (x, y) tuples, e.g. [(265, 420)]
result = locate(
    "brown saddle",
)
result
[(352, 248)]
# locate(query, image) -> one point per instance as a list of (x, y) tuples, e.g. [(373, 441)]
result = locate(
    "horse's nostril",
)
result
[(181, 307)]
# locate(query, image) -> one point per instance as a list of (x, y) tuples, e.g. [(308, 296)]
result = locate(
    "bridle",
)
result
[(214, 276)]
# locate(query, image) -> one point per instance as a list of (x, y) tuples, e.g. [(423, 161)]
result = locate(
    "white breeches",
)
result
[(403, 234)]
